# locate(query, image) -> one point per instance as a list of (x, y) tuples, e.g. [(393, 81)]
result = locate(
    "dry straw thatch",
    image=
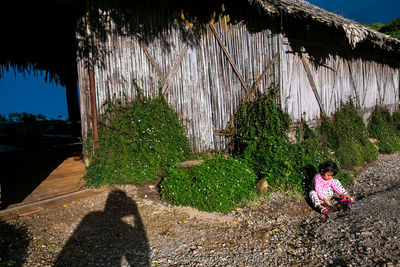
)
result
[(355, 32)]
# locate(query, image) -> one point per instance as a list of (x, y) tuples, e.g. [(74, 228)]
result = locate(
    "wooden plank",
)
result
[(150, 57), (167, 81), (66, 178), (228, 56), (307, 68), (224, 132), (253, 88), (257, 81)]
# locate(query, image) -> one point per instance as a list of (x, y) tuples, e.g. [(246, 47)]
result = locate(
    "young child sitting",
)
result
[(323, 186)]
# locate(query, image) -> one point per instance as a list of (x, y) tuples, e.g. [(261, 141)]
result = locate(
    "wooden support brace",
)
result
[(253, 88), (228, 56), (228, 131), (334, 82), (167, 80), (307, 68), (353, 82), (258, 80), (150, 57)]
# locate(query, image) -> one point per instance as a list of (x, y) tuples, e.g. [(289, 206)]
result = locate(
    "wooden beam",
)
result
[(307, 68), (150, 57), (228, 129), (224, 132), (258, 80), (167, 80), (253, 88), (228, 56)]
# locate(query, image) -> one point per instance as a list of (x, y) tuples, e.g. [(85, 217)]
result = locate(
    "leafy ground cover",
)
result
[(138, 142), (218, 184), (142, 140)]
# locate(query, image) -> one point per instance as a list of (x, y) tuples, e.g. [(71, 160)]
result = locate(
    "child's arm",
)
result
[(327, 202), (346, 197), (338, 188)]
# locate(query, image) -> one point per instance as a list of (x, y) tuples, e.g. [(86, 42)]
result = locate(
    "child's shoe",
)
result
[(323, 210), (350, 200)]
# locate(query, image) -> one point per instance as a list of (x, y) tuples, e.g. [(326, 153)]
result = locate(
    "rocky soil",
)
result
[(130, 226)]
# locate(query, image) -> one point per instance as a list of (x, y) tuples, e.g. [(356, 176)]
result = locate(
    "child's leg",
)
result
[(317, 202), (315, 199)]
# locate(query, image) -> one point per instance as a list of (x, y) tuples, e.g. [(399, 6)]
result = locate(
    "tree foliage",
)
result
[(391, 28)]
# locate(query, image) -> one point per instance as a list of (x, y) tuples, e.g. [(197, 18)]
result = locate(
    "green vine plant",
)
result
[(218, 184), (143, 139), (262, 140), (347, 135), (138, 141), (385, 127)]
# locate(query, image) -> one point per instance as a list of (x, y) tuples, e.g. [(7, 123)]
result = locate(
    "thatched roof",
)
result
[(46, 40), (354, 32), (39, 37)]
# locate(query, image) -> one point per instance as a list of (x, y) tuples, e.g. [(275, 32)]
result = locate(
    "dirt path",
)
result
[(130, 227)]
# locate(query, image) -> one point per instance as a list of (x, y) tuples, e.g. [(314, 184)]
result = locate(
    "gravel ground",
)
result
[(131, 227)]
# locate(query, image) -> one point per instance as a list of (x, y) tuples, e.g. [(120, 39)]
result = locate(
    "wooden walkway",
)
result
[(65, 179), (63, 185)]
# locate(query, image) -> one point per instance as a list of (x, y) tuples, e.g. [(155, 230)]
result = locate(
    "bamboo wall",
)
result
[(337, 79), (205, 90)]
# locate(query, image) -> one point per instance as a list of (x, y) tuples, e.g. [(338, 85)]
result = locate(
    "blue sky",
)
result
[(34, 95), (362, 11)]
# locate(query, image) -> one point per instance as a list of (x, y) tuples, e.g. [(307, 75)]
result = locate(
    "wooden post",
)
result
[(93, 106), (92, 90), (311, 81)]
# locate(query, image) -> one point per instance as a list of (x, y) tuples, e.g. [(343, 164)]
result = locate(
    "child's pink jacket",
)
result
[(324, 187)]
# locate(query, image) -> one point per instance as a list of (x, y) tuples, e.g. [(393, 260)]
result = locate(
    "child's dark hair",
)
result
[(328, 166)]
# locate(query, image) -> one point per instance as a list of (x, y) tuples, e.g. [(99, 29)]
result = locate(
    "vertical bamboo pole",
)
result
[(93, 105), (91, 80)]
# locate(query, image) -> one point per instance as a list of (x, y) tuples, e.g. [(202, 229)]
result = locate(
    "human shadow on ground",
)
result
[(108, 238), (14, 242)]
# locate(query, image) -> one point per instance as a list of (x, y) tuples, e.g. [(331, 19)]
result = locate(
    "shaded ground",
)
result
[(25, 169), (28, 155), (130, 226)]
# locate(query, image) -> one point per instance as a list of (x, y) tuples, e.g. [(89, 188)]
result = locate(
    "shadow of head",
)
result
[(120, 205)]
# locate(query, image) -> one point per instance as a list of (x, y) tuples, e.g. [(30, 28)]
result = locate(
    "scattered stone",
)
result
[(281, 232), (262, 186)]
